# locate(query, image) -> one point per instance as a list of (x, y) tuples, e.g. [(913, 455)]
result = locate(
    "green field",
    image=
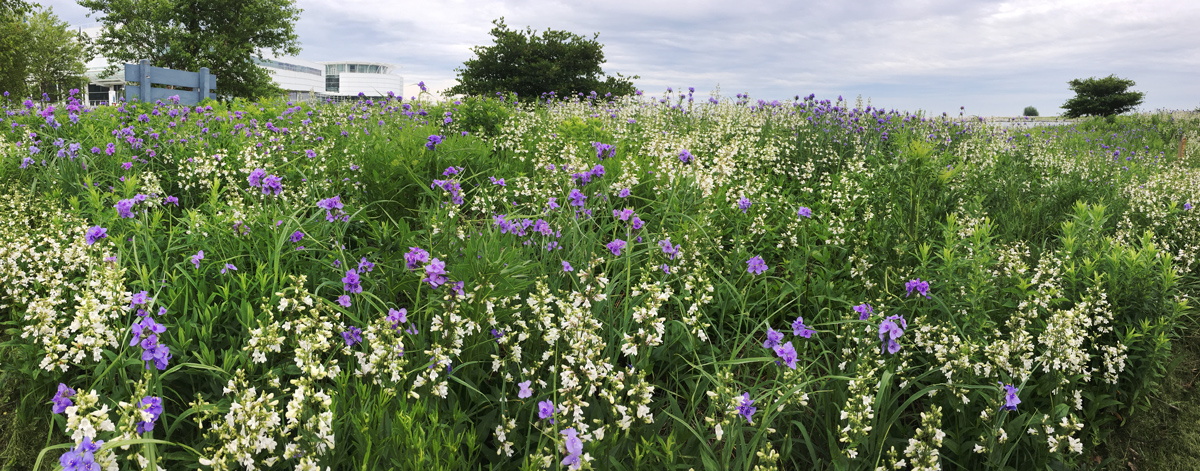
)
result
[(592, 283)]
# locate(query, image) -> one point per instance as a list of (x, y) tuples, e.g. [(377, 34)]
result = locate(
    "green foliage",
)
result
[(1106, 96), (14, 38), (56, 55), (529, 65), (1030, 111), (224, 35)]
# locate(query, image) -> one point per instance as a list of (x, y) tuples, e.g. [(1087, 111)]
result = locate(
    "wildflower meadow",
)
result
[(585, 282)]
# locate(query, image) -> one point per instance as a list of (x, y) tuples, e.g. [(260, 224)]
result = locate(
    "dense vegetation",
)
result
[(644, 283)]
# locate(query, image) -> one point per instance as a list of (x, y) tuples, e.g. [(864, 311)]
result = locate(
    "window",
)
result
[(352, 68), (332, 83)]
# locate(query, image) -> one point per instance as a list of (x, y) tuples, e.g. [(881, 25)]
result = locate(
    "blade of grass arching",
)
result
[(702, 440)]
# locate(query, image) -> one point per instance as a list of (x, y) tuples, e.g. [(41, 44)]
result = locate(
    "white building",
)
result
[(302, 78)]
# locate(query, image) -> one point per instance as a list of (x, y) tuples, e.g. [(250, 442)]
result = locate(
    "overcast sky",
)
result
[(993, 57)]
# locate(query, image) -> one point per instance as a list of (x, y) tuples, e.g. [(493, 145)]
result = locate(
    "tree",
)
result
[(1030, 111), (529, 65), (227, 36), (1106, 96), (14, 36), (57, 55)]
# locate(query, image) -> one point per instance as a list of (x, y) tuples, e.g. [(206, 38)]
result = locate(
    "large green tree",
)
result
[(1106, 96), (57, 55), (14, 37), (530, 64), (227, 36)]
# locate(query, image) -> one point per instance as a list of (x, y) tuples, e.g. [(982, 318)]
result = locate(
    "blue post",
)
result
[(203, 83), (144, 84)]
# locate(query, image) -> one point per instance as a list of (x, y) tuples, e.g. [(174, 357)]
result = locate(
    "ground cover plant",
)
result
[(585, 282)]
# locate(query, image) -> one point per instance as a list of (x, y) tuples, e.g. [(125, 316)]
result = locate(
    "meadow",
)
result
[(678, 282)]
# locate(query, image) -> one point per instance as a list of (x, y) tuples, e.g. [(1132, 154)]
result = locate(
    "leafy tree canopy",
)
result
[(14, 35), (1031, 111), (1106, 96), (227, 36), (530, 64), (57, 55)]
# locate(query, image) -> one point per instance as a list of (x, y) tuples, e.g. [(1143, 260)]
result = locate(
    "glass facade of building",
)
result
[(332, 72)]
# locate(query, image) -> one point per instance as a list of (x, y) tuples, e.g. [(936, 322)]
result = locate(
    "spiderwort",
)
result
[(773, 338), (434, 140), (756, 265), (864, 311), (746, 409), (82, 457), (922, 287), (296, 236), (1010, 397), (352, 336), (799, 329), (415, 258), (435, 273), (624, 193), (256, 176), (787, 353), (525, 392), (1187, 206), (139, 299), (124, 208), (574, 449), (351, 282), (60, 400), (889, 331), (397, 317), (364, 265), (228, 267), (197, 258), (344, 300), (685, 156), (151, 406), (744, 204), (804, 212), (615, 246), (95, 233), (546, 410), (567, 266), (576, 197)]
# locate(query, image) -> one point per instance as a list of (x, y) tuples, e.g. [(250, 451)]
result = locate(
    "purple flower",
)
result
[(228, 267), (363, 264), (60, 400), (272, 184), (351, 281), (889, 331), (616, 246), (685, 156), (804, 212), (756, 265), (197, 258), (415, 258), (95, 233), (153, 406), (787, 353), (546, 410), (256, 176), (397, 317), (171, 200), (352, 336), (773, 338), (567, 266), (745, 409), (82, 457), (127, 165), (124, 207), (497, 181), (667, 249), (922, 287), (666, 269), (864, 311), (139, 299), (434, 140), (1010, 397), (744, 204), (344, 300), (623, 214), (435, 273), (296, 236), (798, 328), (636, 224), (1187, 206), (154, 351), (624, 193), (576, 197), (525, 391), (450, 171), (457, 288), (574, 448)]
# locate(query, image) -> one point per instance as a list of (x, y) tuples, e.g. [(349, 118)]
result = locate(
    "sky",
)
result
[(992, 58)]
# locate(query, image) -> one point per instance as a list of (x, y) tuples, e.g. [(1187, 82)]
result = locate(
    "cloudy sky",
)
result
[(992, 57)]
